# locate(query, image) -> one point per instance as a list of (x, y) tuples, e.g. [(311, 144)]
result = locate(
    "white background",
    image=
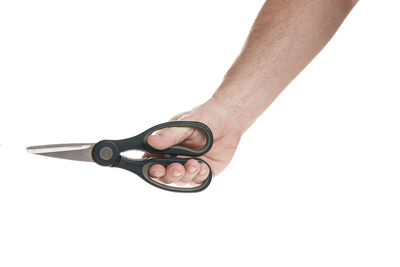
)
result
[(315, 181)]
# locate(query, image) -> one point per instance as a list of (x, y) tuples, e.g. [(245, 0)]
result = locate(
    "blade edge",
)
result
[(78, 152)]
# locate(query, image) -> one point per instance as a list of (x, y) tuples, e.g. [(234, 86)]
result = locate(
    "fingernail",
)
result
[(203, 171), (192, 169), (176, 173), (156, 174)]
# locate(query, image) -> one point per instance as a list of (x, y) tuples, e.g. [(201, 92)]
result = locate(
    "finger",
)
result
[(175, 171), (202, 175), (153, 155), (150, 155), (157, 171), (168, 137), (197, 140), (192, 168)]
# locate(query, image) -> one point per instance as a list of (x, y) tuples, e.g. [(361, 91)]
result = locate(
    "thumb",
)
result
[(168, 137)]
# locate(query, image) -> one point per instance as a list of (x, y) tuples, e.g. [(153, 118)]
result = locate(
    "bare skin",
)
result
[(285, 37)]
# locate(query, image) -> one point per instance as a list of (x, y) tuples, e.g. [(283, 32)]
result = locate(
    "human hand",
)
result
[(226, 133)]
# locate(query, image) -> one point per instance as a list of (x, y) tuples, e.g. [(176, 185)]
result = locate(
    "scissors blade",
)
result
[(80, 152)]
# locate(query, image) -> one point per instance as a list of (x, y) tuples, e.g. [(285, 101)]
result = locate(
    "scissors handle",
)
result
[(107, 153), (142, 170), (140, 141)]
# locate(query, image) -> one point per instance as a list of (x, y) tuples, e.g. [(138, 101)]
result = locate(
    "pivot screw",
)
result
[(106, 153)]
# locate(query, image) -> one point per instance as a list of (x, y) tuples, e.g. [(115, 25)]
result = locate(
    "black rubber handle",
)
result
[(107, 153), (142, 170), (140, 141)]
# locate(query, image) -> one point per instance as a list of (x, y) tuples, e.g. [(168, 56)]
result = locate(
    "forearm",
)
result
[(285, 37)]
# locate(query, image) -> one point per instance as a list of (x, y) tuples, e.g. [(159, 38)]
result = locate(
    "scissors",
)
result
[(108, 153)]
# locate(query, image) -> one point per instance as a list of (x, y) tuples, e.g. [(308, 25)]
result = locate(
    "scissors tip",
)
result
[(30, 149)]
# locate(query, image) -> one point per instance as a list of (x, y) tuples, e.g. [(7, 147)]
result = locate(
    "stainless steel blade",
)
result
[(80, 152)]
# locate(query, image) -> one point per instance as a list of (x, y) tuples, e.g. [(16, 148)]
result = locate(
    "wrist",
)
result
[(247, 100), (230, 113)]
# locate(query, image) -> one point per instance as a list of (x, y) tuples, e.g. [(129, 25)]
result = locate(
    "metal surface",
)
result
[(80, 152), (106, 153)]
